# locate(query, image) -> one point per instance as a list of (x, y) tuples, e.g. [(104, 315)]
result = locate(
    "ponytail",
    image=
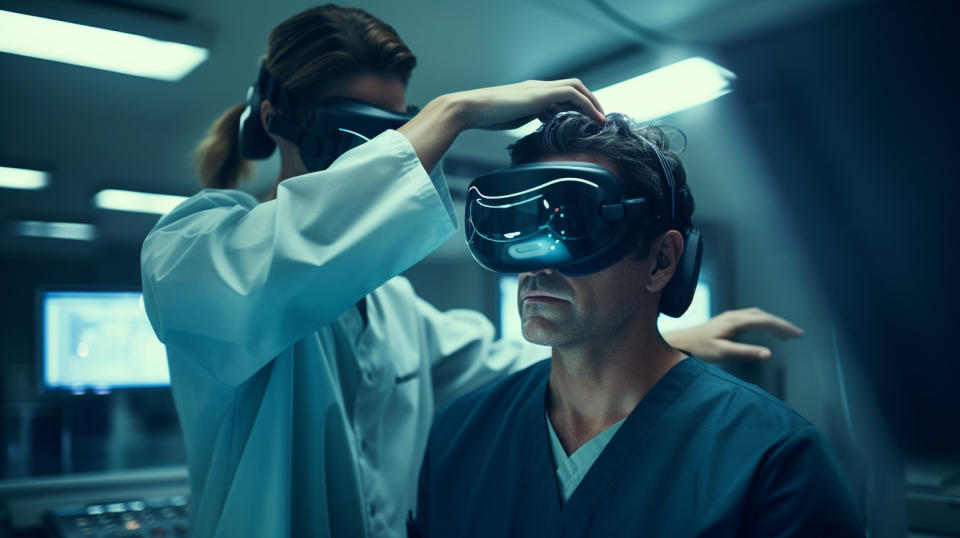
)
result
[(217, 157)]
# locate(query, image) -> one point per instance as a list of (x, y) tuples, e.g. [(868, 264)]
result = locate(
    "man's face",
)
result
[(557, 310)]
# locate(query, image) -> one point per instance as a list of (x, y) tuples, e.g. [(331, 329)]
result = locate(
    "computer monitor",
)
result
[(699, 311), (98, 340)]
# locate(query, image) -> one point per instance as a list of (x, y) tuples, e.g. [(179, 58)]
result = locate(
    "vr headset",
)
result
[(337, 125), (573, 216)]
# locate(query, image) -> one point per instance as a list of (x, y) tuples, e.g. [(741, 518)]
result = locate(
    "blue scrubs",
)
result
[(703, 454)]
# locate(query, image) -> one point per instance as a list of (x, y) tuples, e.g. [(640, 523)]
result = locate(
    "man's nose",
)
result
[(545, 271)]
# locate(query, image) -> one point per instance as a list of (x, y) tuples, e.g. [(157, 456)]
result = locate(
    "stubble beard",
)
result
[(545, 326)]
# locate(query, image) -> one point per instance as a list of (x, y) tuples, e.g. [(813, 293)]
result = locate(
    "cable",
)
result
[(869, 472), (643, 32), (843, 386)]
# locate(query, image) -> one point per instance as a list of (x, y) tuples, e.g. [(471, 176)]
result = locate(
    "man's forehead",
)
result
[(583, 157)]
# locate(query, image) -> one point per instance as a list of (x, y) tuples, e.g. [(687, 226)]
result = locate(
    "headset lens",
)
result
[(531, 217), (571, 211), (504, 222), (572, 222)]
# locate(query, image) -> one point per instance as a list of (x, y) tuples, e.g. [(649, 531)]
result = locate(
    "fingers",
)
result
[(546, 114), (549, 112), (736, 351), (580, 87), (755, 319), (567, 97)]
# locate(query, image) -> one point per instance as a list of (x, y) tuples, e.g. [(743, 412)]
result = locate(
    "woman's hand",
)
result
[(510, 106), (713, 341), (433, 130)]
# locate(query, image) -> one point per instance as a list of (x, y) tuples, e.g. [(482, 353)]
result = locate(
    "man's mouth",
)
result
[(540, 296)]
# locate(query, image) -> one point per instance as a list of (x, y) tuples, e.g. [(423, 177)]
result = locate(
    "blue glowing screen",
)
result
[(98, 341)]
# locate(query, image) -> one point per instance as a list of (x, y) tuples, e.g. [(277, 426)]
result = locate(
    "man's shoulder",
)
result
[(490, 401), (743, 401), (499, 393)]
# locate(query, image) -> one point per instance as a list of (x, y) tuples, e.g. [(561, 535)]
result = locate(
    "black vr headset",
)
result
[(337, 125), (573, 216)]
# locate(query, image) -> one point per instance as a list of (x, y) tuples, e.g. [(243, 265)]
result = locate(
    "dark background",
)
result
[(827, 182)]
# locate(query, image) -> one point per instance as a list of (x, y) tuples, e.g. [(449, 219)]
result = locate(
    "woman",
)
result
[(305, 372)]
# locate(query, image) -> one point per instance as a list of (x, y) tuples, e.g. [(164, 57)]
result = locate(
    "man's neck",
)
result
[(596, 383)]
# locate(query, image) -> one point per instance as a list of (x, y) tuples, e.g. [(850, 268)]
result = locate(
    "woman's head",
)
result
[(322, 52), (321, 49)]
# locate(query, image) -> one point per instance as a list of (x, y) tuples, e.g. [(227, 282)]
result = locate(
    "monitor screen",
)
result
[(98, 341), (698, 313)]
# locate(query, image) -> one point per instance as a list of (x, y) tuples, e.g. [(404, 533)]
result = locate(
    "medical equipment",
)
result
[(157, 516), (98, 340), (337, 125)]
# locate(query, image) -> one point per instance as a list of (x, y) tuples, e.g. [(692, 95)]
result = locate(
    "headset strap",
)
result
[(287, 130), (271, 89), (629, 209)]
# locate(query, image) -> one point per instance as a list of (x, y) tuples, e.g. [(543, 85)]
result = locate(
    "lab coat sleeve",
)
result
[(418, 527), (236, 282), (799, 492), (464, 354)]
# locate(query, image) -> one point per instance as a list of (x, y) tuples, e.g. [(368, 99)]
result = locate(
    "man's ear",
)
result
[(266, 110), (666, 251)]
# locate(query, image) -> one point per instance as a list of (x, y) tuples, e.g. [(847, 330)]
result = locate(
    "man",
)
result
[(618, 434)]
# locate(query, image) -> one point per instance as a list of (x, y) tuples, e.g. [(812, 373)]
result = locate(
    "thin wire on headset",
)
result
[(669, 177)]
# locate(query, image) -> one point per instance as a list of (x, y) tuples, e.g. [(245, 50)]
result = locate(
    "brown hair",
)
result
[(308, 53)]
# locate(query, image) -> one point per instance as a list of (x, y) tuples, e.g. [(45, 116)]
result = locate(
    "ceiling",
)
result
[(97, 129)]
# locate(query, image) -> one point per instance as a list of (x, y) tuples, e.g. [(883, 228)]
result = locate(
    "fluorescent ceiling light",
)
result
[(55, 230), (88, 46), (21, 178), (661, 92), (141, 202), (669, 89)]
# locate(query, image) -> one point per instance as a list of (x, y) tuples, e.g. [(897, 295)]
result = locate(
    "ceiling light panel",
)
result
[(55, 230), (22, 178), (660, 92), (100, 48), (140, 202)]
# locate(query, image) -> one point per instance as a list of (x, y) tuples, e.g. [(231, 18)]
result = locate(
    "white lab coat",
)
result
[(297, 419)]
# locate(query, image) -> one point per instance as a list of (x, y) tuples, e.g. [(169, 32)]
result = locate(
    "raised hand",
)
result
[(433, 130), (713, 341)]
